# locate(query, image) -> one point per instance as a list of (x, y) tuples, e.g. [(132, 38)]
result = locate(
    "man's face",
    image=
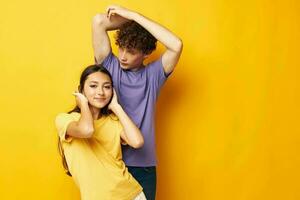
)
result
[(131, 58)]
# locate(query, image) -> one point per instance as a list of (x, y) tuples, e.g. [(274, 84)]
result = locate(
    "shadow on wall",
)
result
[(175, 106)]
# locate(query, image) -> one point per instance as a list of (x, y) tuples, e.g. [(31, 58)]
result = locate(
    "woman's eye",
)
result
[(107, 87), (93, 86)]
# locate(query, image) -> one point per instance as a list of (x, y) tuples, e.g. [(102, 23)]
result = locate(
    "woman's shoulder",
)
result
[(110, 119), (114, 121)]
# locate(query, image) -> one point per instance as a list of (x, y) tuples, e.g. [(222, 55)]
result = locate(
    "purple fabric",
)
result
[(137, 93)]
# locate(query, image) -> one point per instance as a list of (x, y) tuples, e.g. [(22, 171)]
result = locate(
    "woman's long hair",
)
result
[(104, 111)]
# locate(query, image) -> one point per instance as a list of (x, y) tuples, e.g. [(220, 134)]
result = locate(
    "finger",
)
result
[(111, 13), (107, 12), (76, 93)]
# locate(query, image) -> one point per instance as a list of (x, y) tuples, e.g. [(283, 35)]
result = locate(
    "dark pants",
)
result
[(146, 176)]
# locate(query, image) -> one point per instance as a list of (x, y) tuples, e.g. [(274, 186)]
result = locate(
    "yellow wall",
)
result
[(227, 119)]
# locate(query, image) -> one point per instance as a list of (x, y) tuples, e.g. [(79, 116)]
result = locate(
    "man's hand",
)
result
[(118, 10)]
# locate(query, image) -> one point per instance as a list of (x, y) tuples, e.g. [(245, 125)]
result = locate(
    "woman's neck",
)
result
[(95, 112)]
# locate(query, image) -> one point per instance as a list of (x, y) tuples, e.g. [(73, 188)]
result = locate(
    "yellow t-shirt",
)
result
[(96, 163)]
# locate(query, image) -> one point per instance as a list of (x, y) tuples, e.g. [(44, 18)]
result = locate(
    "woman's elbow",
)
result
[(87, 132), (138, 144)]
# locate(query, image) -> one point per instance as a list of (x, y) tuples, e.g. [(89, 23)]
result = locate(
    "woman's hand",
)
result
[(81, 100), (114, 102)]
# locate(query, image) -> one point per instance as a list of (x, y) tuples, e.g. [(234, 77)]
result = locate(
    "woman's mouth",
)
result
[(100, 99)]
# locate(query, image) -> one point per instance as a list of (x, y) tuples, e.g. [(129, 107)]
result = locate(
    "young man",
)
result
[(137, 85)]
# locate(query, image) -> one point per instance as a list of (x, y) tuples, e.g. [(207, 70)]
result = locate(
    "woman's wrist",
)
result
[(116, 108)]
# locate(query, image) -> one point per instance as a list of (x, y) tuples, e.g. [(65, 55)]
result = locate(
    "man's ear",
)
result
[(145, 56)]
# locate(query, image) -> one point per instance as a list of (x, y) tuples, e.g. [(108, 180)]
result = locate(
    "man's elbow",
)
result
[(178, 45), (99, 19)]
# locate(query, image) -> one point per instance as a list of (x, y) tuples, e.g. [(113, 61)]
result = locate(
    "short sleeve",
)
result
[(117, 126), (110, 62), (62, 122), (157, 73)]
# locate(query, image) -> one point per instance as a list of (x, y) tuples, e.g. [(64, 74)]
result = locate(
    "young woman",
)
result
[(90, 138)]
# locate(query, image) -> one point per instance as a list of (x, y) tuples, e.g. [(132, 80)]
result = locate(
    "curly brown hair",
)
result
[(131, 35)]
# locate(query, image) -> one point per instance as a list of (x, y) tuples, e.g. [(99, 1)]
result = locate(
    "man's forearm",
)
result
[(108, 24), (162, 34)]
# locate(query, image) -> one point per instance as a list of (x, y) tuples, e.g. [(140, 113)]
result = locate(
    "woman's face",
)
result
[(98, 89)]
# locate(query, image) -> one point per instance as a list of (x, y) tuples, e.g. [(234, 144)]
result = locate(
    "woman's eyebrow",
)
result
[(93, 81), (107, 82)]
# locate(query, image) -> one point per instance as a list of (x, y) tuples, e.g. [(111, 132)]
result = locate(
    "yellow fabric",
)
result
[(96, 163)]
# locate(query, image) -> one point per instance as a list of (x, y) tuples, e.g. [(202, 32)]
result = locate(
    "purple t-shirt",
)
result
[(137, 93)]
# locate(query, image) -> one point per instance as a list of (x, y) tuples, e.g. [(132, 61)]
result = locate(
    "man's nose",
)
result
[(123, 56)]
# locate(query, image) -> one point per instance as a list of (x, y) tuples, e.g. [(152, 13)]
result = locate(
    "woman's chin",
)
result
[(98, 105)]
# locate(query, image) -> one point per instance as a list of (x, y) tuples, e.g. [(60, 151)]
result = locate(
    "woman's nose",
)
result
[(100, 91)]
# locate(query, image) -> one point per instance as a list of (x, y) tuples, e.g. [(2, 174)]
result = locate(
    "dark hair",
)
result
[(131, 35), (104, 111)]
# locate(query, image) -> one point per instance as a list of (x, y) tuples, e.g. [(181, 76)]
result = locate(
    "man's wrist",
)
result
[(134, 15)]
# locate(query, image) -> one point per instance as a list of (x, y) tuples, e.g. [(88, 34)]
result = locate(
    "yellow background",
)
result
[(227, 119)]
